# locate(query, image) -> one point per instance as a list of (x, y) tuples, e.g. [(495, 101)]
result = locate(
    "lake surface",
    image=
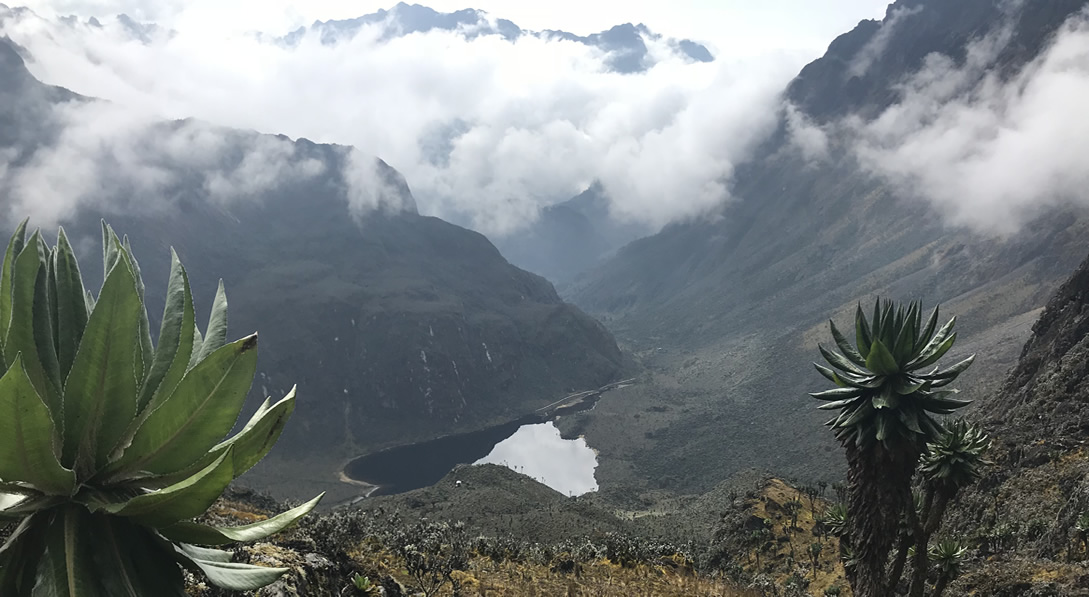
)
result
[(530, 446), (539, 452)]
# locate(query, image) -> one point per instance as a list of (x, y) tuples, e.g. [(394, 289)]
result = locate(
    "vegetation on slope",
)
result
[(438, 557)]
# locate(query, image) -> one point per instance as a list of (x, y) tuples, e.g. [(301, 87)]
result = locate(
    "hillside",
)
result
[(1029, 514), (723, 311), (1024, 522), (570, 237), (396, 327)]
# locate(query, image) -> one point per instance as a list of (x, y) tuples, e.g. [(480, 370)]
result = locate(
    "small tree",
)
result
[(951, 463), (1081, 527), (812, 493), (432, 552), (815, 550), (947, 556), (109, 444), (794, 508)]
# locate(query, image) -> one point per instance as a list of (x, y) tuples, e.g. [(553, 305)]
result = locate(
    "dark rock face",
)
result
[(1046, 396), (395, 326), (833, 86), (25, 103), (1025, 510)]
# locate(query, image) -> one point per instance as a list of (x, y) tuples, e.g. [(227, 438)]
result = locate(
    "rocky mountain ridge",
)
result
[(625, 48), (625, 45)]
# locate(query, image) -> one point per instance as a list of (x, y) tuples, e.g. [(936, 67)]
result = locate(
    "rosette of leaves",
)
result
[(109, 444), (955, 459), (883, 390), (836, 520), (948, 557)]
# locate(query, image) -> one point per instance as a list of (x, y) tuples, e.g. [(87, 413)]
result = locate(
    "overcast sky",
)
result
[(730, 25)]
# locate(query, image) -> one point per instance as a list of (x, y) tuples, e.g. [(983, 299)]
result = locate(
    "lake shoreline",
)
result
[(387, 474)]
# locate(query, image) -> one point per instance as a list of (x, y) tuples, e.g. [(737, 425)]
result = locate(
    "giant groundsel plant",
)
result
[(884, 392), (889, 391), (111, 445)]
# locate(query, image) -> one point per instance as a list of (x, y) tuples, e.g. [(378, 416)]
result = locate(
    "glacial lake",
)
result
[(529, 446), (538, 451)]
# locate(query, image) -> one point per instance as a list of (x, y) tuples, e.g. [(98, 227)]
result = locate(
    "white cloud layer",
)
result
[(114, 159), (989, 152), (486, 132)]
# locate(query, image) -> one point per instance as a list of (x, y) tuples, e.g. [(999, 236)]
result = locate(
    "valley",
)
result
[(432, 321)]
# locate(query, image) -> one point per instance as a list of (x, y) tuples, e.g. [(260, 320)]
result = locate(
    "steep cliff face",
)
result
[(799, 227), (862, 69), (1023, 515), (395, 326), (1045, 396)]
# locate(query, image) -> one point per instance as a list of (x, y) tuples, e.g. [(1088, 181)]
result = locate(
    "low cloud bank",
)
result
[(486, 131), (988, 152), (108, 157)]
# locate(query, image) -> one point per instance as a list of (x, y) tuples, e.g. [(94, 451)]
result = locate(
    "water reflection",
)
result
[(539, 452)]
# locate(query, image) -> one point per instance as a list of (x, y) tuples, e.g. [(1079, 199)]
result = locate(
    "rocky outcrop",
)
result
[(1023, 516)]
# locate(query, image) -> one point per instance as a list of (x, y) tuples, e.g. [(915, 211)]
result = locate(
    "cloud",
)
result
[(142, 10), (373, 186), (112, 158), (989, 152), (988, 147), (806, 136), (876, 46), (486, 131)]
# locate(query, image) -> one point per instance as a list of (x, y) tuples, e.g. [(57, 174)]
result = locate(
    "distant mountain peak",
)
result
[(624, 44), (891, 49), (12, 66)]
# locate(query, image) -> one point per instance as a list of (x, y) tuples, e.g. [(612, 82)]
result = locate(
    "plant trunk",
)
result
[(878, 479), (907, 538), (939, 588), (936, 502)]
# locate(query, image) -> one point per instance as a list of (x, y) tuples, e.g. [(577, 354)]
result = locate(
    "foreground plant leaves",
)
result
[(109, 445)]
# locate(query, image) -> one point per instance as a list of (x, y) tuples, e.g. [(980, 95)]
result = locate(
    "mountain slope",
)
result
[(728, 311), (396, 327), (570, 237), (1022, 515)]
